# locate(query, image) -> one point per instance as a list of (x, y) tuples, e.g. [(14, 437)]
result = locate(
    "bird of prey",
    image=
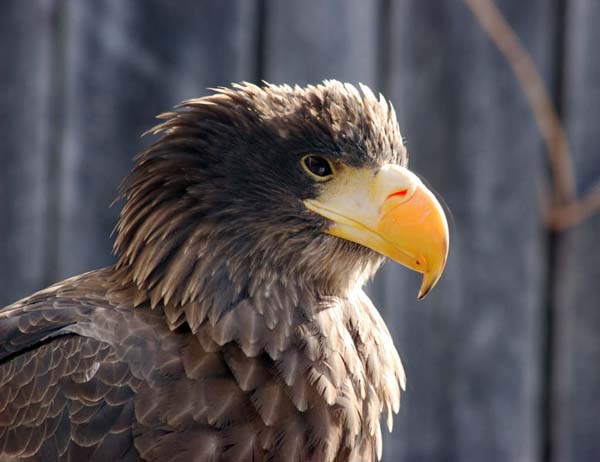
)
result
[(233, 325)]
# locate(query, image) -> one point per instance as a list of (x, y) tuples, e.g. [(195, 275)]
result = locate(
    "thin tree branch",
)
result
[(564, 210), (545, 114), (575, 212)]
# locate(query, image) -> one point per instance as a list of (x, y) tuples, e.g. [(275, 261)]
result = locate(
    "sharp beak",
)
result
[(392, 213)]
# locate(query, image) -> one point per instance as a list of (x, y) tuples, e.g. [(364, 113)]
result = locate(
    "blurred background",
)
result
[(503, 357)]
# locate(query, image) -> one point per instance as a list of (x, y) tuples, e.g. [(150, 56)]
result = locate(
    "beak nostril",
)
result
[(401, 193)]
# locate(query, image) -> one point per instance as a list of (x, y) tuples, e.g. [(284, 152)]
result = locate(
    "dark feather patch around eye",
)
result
[(318, 166)]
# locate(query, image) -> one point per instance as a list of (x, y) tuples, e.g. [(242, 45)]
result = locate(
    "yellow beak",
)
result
[(392, 213)]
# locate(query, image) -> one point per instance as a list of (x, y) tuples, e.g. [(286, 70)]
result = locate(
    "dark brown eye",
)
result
[(317, 166)]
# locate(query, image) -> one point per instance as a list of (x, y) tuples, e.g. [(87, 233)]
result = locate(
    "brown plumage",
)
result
[(232, 327)]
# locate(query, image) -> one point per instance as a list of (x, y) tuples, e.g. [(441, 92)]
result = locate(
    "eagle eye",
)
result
[(317, 166)]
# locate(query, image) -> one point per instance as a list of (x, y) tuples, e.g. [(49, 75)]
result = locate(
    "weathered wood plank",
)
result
[(25, 32), (472, 349), (309, 41), (577, 348), (126, 62)]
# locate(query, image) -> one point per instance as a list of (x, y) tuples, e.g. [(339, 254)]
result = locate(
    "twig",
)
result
[(575, 212), (505, 38), (564, 210)]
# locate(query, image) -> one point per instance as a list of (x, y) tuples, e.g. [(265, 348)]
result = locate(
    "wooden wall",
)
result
[(502, 358)]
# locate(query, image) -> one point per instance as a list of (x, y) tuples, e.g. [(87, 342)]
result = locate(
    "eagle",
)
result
[(233, 325)]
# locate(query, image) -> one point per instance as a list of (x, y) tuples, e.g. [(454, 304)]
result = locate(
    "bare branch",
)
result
[(546, 117), (575, 212), (564, 210)]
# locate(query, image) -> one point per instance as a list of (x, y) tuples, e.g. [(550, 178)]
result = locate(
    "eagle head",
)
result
[(305, 184)]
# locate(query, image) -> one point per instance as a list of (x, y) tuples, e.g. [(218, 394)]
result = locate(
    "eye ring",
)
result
[(316, 166)]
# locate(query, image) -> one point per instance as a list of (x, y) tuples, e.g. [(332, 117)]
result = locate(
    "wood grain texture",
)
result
[(307, 42), (577, 295), (24, 156), (126, 63), (472, 348)]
